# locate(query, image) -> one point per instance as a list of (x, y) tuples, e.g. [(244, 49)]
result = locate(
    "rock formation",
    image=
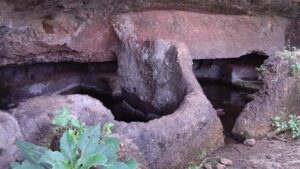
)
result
[(46, 31), (280, 96), (9, 133), (154, 42)]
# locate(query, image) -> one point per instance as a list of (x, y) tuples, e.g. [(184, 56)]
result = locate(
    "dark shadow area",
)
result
[(98, 80), (114, 103), (20, 82), (229, 85)]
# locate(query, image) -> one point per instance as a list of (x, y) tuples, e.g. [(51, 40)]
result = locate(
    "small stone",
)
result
[(220, 112), (226, 161), (221, 166), (250, 142), (207, 166), (268, 156)]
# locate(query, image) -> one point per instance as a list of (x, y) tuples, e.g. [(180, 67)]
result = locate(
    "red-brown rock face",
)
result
[(209, 36), (83, 32)]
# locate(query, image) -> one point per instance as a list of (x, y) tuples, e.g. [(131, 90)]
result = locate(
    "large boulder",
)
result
[(151, 77), (35, 115), (156, 76), (193, 127), (9, 133), (280, 96)]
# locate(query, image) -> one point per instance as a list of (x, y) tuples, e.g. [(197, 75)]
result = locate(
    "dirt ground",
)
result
[(265, 154)]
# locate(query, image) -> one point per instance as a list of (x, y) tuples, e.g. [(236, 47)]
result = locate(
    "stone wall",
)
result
[(38, 31)]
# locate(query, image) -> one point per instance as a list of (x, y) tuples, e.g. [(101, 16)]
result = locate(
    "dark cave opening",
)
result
[(98, 80), (229, 84), (21, 82), (116, 104)]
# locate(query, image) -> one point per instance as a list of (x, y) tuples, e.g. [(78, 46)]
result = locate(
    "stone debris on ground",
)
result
[(226, 161), (207, 166), (250, 142), (221, 166)]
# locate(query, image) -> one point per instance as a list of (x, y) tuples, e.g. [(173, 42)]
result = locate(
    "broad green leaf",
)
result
[(109, 146), (75, 135), (72, 134), (108, 150), (53, 158), (114, 142), (31, 152), (56, 160), (15, 164), (132, 164), (26, 165), (89, 140), (68, 147), (62, 118), (116, 165), (93, 160), (62, 165)]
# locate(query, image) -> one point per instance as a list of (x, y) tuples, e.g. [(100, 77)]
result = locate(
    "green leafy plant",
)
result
[(107, 128), (292, 54), (65, 122), (80, 148), (293, 124), (202, 154), (279, 124), (295, 66), (261, 69)]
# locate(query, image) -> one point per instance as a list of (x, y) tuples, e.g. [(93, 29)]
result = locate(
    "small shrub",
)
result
[(293, 124), (261, 68), (202, 154), (279, 124), (80, 148), (292, 55), (295, 67)]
